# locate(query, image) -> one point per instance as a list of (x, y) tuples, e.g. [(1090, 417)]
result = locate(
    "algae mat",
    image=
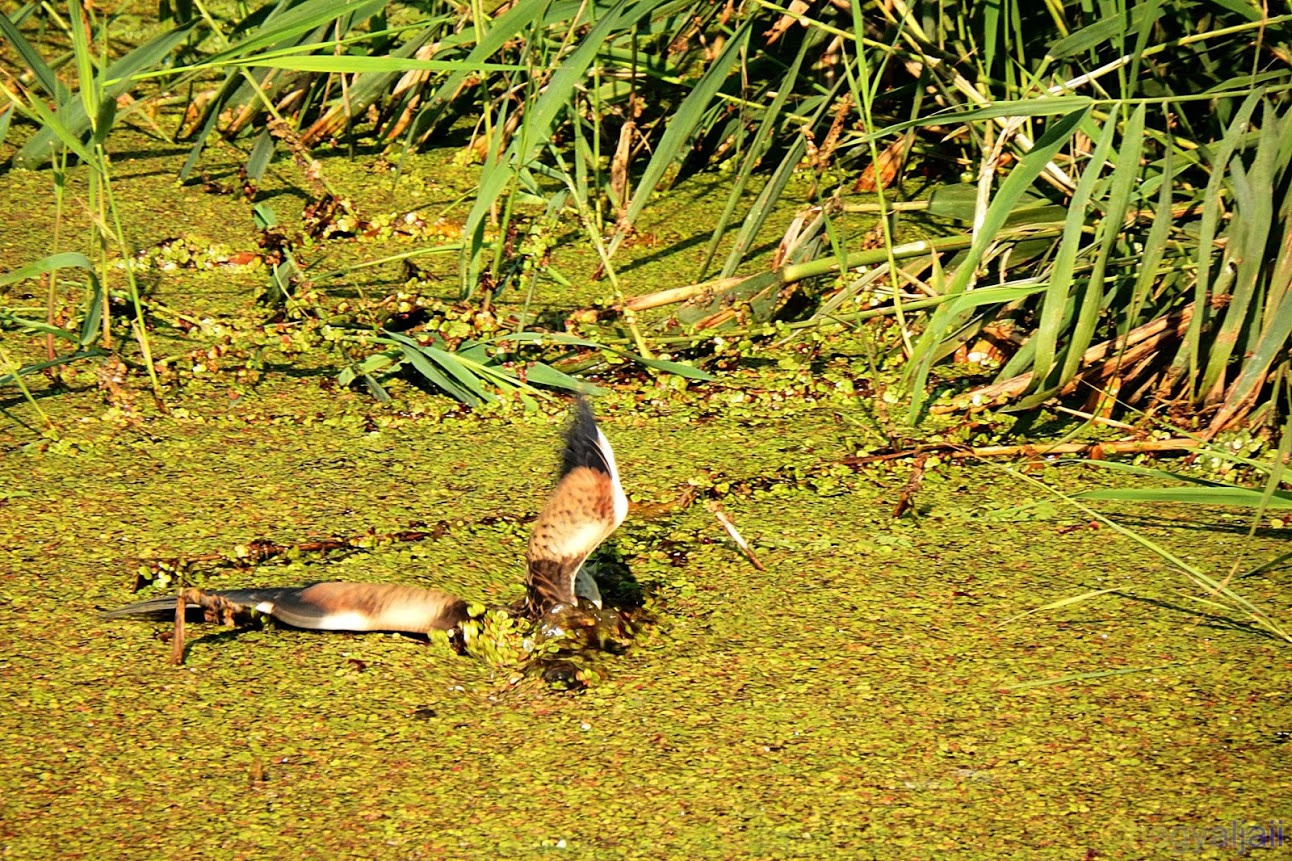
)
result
[(860, 697)]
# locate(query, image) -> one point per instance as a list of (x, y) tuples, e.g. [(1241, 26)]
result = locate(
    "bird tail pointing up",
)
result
[(586, 445), (587, 505)]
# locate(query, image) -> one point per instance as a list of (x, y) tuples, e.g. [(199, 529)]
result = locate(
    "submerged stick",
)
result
[(177, 637), (907, 497), (216, 608)]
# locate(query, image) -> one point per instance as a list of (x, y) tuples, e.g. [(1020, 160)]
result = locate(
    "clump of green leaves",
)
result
[(565, 648)]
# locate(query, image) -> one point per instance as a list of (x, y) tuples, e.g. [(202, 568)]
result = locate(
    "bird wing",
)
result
[(587, 505)]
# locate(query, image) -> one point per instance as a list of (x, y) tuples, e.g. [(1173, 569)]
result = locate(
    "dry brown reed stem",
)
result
[(1101, 362)]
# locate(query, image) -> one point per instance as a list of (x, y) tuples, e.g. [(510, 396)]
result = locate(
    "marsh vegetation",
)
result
[(972, 319)]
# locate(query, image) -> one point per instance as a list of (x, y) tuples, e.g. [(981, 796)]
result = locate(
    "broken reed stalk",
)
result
[(1094, 450), (679, 294), (1098, 363)]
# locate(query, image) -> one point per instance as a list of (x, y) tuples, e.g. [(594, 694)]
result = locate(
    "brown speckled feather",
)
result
[(578, 517), (587, 505)]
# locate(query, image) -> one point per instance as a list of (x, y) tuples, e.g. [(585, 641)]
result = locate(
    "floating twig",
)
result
[(1094, 450), (652, 510), (716, 508), (263, 549)]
